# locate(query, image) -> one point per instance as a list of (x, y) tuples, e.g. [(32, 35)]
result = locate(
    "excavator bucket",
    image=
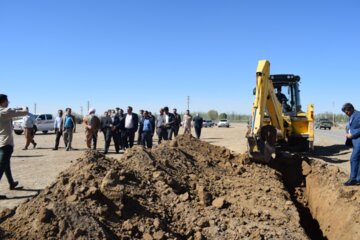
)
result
[(261, 148)]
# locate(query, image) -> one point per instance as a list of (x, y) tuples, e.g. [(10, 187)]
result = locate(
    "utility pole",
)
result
[(34, 108), (188, 102), (88, 106), (81, 110)]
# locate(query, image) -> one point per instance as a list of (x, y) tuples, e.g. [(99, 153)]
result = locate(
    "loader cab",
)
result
[(289, 85)]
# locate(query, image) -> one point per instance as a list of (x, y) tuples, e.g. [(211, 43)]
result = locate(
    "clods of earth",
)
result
[(180, 189)]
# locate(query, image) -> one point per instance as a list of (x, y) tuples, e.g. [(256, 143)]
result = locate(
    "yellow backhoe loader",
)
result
[(277, 121)]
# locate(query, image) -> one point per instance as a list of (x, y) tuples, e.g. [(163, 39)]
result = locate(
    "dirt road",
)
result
[(37, 168), (329, 147)]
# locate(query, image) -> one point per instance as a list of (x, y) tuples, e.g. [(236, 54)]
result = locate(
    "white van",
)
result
[(43, 122)]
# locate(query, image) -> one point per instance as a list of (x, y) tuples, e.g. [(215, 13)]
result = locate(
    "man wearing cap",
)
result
[(131, 126), (92, 126), (6, 138)]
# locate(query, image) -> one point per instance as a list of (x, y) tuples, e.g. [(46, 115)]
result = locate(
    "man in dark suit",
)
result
[(353, 134), (115, 121), (169, 123), (106, 125), (131, 126), (121, 128), (198, 122), (177, 122), (141, 121), (110, 125)]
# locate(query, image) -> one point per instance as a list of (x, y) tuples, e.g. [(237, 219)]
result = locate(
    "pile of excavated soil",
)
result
[(336, 207), (183, 189)]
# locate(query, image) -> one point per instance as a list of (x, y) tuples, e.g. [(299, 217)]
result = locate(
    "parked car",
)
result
[(324, 124), (223, 123), (43, 122), (208, 123)]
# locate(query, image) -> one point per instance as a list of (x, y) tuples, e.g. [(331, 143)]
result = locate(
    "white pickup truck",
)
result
[(43, 122)]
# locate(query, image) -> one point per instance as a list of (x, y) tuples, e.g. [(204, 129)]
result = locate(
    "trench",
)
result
[(290, 167)]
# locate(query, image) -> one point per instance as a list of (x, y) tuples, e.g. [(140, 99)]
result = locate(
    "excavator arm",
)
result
[(263, 133)]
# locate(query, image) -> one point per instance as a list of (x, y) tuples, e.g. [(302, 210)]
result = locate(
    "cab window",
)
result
[(41, 117)]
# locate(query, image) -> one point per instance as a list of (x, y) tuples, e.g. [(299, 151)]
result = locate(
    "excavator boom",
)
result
[(262, 138), (269, 124)]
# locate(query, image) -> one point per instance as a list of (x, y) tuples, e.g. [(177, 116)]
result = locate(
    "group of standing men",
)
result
[(121, 127), (167, 124), (64, 126), (117, 126), (114, 124)]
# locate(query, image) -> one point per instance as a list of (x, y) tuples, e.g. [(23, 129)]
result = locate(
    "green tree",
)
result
[(223, 116), (78, 117), (213, 114)]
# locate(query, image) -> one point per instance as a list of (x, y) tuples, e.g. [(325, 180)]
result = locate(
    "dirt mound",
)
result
[(336, 208), (183, 189)]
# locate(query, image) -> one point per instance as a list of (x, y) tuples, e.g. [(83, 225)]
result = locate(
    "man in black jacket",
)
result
[(177, 122), (115, 130), (169, 122), (198, 121), (121, 128), (112, 125), (131, 126), (141, 121)]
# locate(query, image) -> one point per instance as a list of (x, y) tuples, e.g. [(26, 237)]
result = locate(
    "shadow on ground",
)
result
[(330, 153), (27, 156), (34, 192)]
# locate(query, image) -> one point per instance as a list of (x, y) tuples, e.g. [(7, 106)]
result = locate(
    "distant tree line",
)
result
[(338, 118), (216, 116)]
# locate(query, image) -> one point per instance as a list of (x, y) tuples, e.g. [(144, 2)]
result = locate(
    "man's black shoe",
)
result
[(13, 185), (351, 182)]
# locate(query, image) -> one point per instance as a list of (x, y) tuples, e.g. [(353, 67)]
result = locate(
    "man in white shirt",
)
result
[(28, 125), (131, 126), (58, 126)]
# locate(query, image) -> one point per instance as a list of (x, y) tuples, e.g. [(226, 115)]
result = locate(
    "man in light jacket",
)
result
[(6, 138)]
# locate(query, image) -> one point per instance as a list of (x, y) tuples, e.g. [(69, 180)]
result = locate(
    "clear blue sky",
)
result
[(152, 53)]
